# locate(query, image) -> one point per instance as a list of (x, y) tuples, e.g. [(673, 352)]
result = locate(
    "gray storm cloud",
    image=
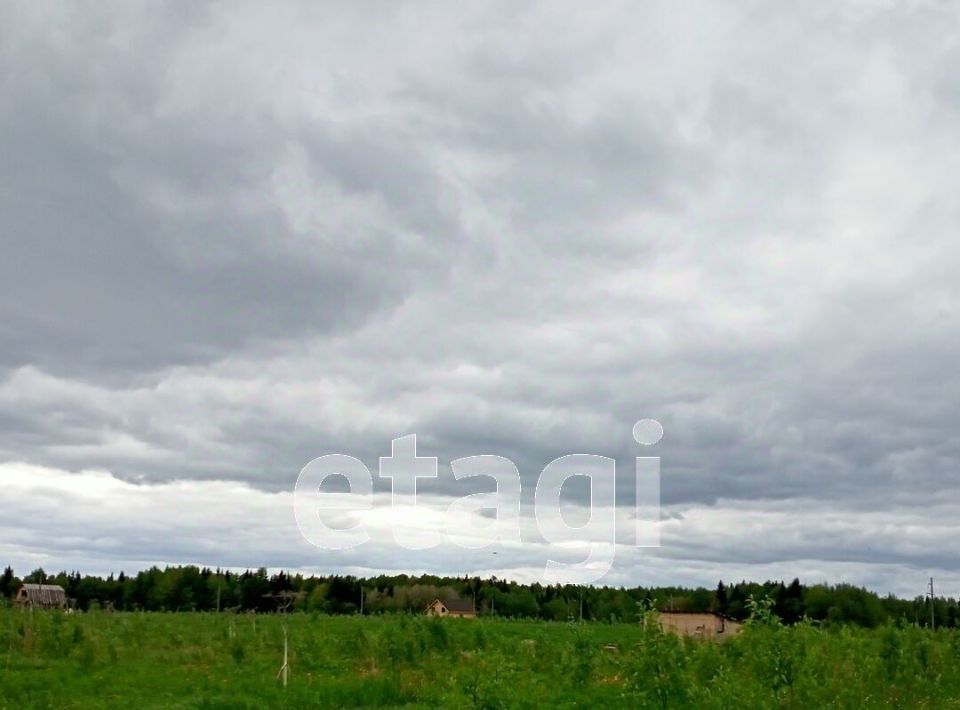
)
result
[(236, 238)]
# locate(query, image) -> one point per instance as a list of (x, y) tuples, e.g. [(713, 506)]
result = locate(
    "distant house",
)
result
[(41, 596), (699, 625), (452, 607)]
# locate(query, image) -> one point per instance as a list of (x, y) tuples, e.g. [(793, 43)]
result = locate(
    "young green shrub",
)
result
[(655, 674), (237, 651), (438, 634)]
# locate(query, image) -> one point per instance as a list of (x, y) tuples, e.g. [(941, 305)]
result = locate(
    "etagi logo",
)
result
[(403, 467)]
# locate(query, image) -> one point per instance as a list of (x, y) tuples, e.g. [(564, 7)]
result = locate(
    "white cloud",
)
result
[(99, 523)]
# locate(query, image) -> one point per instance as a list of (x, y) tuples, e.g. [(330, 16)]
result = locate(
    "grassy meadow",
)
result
[(206, 660)]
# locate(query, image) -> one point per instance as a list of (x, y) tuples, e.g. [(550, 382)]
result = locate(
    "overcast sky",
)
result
[(238, 236)]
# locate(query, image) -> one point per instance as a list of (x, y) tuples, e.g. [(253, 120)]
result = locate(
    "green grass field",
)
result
[(197, 660)]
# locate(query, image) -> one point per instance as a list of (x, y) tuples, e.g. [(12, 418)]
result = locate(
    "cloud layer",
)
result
[(237, 238)]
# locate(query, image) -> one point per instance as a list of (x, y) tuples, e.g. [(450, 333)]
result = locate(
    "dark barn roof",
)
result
[(458, 605), (42, 595)]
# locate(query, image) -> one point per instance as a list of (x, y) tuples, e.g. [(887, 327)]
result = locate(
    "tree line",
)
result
[(190, 588)]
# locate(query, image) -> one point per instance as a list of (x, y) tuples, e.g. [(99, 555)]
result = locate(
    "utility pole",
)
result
[(581, 605), (361, 600), (932, 618)]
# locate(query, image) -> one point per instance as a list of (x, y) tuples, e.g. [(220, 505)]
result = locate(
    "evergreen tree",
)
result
[(721, 603), (7, 583)]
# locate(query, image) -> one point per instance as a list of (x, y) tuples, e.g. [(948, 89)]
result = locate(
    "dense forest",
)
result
[(192, 588)]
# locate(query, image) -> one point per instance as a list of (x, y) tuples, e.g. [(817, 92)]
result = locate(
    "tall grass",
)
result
[(200, 660)]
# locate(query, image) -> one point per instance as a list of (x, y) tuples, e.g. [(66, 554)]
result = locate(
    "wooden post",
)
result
[(286, 665), (285, 668)]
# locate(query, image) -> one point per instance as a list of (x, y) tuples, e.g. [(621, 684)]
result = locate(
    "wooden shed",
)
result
[(41, 596), (452, 607), (699, 625)]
